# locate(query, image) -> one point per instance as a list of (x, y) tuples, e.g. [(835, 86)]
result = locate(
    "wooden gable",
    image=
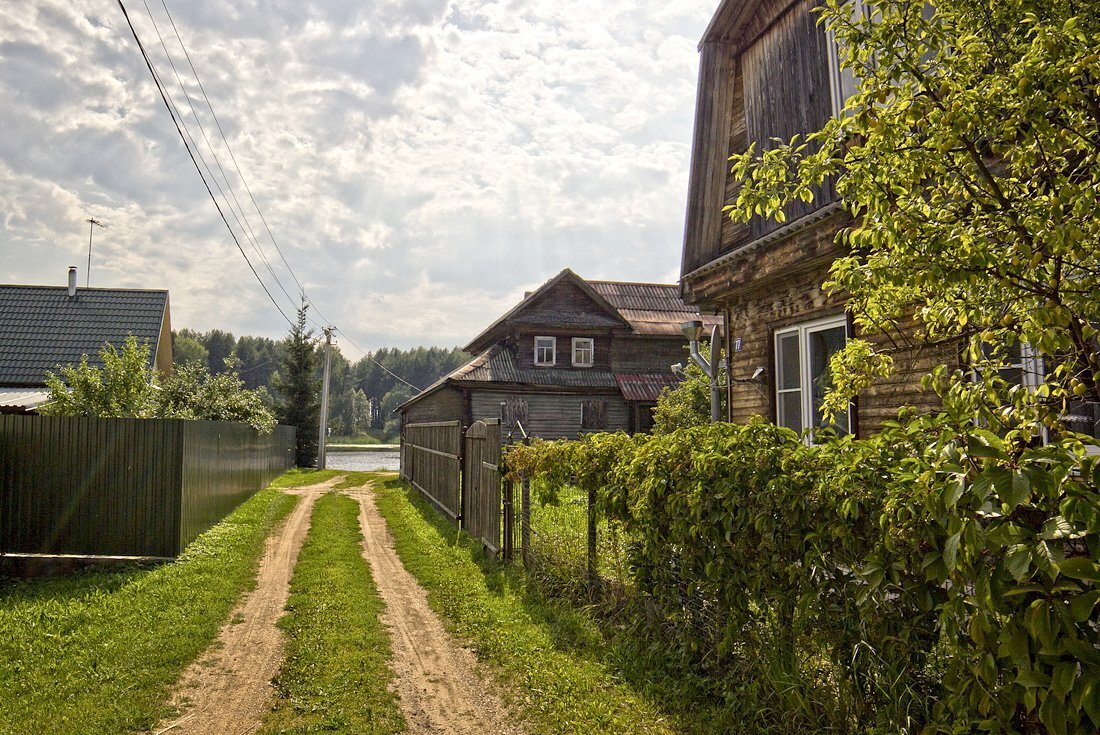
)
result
[(764, 75)]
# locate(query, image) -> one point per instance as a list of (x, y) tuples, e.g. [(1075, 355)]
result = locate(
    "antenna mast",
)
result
[(92, 224)]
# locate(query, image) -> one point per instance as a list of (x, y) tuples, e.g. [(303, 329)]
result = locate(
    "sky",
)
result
[(418, 163)]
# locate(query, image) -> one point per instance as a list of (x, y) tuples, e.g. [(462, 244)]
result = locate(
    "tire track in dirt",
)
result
[(440, 688), (227, 690)]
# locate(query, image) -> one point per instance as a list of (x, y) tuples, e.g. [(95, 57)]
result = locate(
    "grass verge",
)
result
[(336, 676), (553, 657), (97, 652)]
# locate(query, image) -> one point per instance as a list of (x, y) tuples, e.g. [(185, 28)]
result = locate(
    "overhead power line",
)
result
[(199, 161), (177, 123)]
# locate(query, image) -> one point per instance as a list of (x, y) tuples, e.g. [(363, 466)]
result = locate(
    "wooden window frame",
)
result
[(805, 379), (577, 341), (553, 351)]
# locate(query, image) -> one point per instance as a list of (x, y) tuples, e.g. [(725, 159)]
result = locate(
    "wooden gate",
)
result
[(481, 496)]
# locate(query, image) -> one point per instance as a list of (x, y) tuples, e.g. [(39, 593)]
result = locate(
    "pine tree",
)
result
[(298, 388)]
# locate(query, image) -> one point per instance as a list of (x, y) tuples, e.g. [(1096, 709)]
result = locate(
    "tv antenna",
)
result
[(92, 224)]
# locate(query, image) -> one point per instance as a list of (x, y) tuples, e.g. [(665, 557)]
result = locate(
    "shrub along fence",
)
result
[(934, 578), (126, 487)]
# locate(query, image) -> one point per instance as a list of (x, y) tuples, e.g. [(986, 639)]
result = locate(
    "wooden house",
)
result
[(574, 356), (768, 70), (43, 328)]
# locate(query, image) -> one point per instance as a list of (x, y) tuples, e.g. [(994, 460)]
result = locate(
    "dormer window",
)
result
[(583, 351), (545, 351)]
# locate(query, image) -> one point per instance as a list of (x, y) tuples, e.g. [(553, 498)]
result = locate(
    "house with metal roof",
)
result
[(574, 356), (45, 327)]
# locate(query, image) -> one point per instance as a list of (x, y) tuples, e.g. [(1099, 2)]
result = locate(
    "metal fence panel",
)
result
[(91, 486), (223, 465)]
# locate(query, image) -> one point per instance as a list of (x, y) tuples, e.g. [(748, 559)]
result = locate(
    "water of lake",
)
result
[(364, 461)]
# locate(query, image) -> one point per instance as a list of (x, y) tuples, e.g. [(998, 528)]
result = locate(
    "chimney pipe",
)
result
[(72, 281)]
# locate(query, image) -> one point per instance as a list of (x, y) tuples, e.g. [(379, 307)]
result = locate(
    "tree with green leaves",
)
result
[(127, 386), (299, 389), (118, 389), (969, 160), (688, 404)]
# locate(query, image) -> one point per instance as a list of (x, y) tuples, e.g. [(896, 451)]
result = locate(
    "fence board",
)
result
[(90, 486)]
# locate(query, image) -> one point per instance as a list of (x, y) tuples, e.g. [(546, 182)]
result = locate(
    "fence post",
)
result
[(509, 489), (593, 576), (525, 519)]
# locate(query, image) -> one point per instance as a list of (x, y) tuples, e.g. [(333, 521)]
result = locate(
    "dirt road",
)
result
[(228, 689), (441, 689)]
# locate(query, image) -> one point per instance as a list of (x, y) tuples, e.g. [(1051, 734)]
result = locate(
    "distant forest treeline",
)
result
[(362, 395)]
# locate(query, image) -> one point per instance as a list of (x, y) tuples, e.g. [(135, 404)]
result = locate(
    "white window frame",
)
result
[(805, 379), (553, 351), (836, 74), (581, 342)]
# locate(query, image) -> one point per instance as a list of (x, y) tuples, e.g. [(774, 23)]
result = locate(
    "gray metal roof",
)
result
[(41, 327)]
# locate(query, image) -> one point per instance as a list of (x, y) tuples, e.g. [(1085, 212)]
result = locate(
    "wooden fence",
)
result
[(431, 461), (126, 487), (458, 471)]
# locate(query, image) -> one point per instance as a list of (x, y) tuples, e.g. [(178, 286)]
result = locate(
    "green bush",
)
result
[(935, 577)]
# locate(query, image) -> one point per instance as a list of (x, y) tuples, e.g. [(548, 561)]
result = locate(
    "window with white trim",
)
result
[(843, 83), (583, 351), (545, 350), (802, 378), (1022, 365)]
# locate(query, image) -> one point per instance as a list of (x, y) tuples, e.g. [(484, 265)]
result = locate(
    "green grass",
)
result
[(97, 652), (363, 439), (302, 476), (336, 677), (555, 658)]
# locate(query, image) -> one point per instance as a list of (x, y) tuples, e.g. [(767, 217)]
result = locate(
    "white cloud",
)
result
[(421, 162)]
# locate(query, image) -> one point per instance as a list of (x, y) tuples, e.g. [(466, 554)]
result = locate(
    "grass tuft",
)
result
[(336, 678), (98, 651)]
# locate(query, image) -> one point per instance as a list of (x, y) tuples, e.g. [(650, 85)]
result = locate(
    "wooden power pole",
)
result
[(324, 400)]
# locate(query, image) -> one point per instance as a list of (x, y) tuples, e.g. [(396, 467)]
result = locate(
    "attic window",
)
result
[(583, 351), (545, 350)]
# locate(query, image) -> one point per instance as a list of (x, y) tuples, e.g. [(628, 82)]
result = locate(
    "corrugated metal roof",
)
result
[(645, 387), (41, 327), (650, 308), (22, 398)]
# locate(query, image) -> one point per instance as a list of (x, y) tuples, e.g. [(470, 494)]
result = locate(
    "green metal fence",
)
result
[(126, 487)]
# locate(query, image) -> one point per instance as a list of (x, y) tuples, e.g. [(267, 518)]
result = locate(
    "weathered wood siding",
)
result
[(787, 93), (709, 164), (443, 405), (550, 415), (757, 313), (647, 354)]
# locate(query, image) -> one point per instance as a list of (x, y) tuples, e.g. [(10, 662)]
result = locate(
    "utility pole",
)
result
[(324, 400), (92, 224)]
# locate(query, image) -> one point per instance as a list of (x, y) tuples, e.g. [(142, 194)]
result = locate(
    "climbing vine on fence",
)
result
[(938, 577)]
